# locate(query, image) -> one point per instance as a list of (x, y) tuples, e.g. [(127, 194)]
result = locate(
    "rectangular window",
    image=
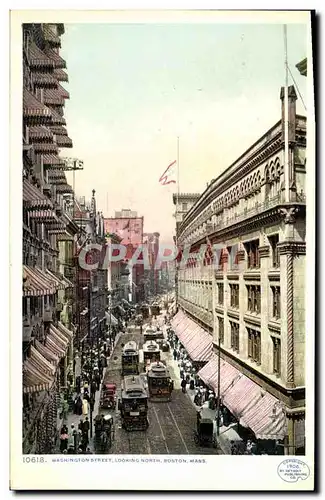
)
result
[(220, 293), (234, 338), (276, 302), (184, 207), (276, 356), (254, 345), (234, 296), (254, 298), (253, 260), (275, 255)]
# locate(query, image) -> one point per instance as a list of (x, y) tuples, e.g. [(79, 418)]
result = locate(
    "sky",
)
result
[(135, 87)]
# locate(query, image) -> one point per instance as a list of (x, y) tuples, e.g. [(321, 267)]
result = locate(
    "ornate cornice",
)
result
[(219, 310), (274, 275), (245, 164), (232, 314), (232, 276), (252, 320), (264, 251), (292, 247), (275, 327), (289, 214), (252, 275)]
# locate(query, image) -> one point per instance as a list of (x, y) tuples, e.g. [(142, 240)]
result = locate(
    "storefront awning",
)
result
[(36, 283), (266, 419), (33, 197), (196, 340), (57, 342), (38, 372), (246, 400), (242, 396), (49, 355)]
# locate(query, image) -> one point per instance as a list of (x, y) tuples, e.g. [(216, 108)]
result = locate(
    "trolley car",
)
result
[(130, 359), (152, 333), (134, 404), (151, 351), (160, 384)]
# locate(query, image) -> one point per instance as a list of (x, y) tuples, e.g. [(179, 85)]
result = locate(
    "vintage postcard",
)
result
[(163, 176)]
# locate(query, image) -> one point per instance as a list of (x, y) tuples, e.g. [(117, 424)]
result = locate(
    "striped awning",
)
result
[(64, 188), (43, 215), (59, 130), (53, 97), (38, 59), (59, 62), (261, 412), (33, 197), (33, 108), (63, 141), (36, 283), (196, 340), (44, 80), (57, 119), (50, 36), (63, 92), (59, 283), (65, 331), (266, 419), (61, 75), (56, 176), (53, 161), (49, 355), (40, 133), (67, 282), (56, 341), (45, 147), (242, 396), (38, 372)]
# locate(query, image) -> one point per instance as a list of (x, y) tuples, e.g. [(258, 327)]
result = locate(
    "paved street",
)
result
[(171, 425)]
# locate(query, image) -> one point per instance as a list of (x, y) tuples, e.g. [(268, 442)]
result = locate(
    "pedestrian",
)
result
[(88, 452), (78, 385), (97, 379), (93, 387), (81, 425), (85, 407), (70, 450), (183, 385), (86, 426), (64, 438), (78, 406), (175, 354)]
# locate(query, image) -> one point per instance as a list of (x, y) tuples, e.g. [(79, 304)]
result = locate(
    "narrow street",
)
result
[(171, 425)]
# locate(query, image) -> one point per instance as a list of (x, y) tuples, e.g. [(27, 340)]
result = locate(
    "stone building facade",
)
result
[(47, 289), (250, 294)]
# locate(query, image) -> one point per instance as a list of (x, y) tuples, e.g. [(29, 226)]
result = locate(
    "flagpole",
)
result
[(177, 168), (177, 201)]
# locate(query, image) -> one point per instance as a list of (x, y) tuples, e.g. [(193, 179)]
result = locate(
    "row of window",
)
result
[(254, 343), (253, 298)]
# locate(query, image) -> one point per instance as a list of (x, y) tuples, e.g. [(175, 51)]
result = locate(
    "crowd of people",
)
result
[(76, 439)]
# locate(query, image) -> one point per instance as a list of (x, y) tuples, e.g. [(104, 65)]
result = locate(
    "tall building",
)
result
[(152, 275), (130, 229), (252, 300), (48, 233), (92, 285)]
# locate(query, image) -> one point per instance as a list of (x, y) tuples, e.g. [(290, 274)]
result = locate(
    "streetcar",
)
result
[(152, 333), (155, 309), (130, 359), (151, 351), (145, 311), (160, 384), (134, 404)]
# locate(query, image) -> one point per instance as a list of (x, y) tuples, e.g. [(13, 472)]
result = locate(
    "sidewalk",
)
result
[(75, 419)]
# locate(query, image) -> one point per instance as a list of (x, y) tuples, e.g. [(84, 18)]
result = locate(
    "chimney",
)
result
[(292, 97)]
